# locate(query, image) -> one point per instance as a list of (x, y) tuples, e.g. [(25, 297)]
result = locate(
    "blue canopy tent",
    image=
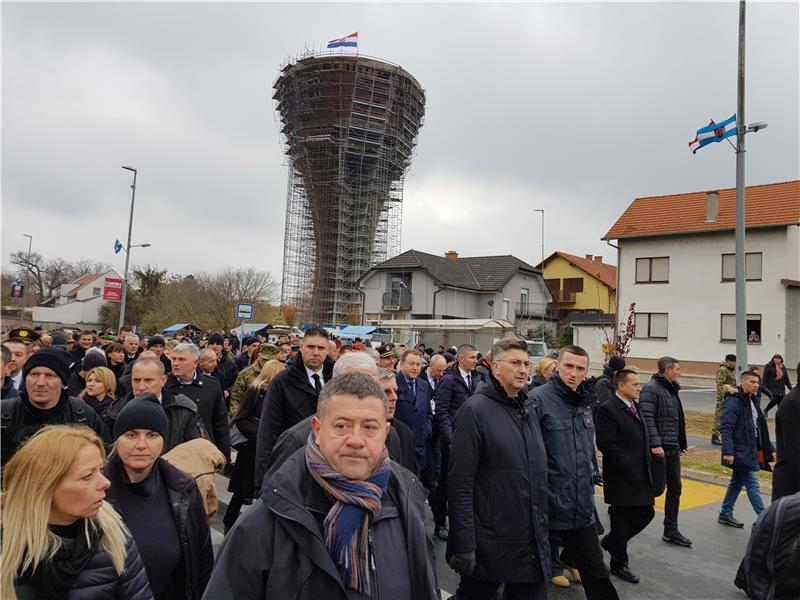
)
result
[(178, 326), (354, 331)]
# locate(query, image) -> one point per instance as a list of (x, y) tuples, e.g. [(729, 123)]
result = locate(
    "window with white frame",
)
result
[(652, 269)]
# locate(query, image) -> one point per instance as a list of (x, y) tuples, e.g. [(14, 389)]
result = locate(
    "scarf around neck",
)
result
[(346, 527)]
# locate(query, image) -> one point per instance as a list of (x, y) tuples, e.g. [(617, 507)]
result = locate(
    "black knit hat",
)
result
[(730, 357), (144, 412), (156, 340), (216, 339), (52, 357), (93, 359), (616, 363)]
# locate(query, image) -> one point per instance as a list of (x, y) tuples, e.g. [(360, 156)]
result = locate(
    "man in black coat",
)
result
[(498, 503), (43, 400), (292, 395), (186, 379), (454, 388), (627, 473), (563, 406), (287, 544), (786, 477), (666, 427), (226, 365)]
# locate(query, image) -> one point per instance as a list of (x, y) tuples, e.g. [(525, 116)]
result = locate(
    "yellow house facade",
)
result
[(580, 284)]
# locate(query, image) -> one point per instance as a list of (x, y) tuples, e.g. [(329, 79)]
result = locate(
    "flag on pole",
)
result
[(117, 246), (350, 41), (713, 132)]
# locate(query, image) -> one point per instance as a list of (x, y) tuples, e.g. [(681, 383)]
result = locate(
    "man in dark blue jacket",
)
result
[(564, 410), (454, 388), (498, 503), (666, 428), (746, 447), (413, 404)]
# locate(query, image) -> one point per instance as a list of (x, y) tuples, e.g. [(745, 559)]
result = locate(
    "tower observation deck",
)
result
[(350, 127)]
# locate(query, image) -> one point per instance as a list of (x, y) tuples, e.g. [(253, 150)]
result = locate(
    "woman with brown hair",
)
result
[(115, 355), (247, 420), (61, 540)]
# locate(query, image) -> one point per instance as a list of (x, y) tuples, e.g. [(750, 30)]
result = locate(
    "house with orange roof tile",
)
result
[(580, 284), (676, 262)]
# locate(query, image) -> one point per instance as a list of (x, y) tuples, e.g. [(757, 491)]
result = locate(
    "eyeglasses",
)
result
[(516, 363)]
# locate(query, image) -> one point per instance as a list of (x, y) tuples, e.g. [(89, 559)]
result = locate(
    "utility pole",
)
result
[(127, 252), (741, 129), (544, 287)]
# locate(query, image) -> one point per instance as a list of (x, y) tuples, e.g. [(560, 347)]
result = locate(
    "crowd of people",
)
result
[(340, 453)]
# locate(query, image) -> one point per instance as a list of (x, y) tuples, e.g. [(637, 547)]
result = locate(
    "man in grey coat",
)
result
[(338, 520)]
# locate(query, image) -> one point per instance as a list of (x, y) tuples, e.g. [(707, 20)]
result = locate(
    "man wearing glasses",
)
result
[(564, 409), (497, 493)]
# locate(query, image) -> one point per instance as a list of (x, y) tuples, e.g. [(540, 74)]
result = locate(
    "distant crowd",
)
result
[(336, 451)]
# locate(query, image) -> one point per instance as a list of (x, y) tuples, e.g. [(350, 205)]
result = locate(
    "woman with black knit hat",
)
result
[(160, 504)]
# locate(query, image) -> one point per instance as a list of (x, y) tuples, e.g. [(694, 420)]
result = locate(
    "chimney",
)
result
[(588, 257), (598, 260), (712, 207), (451, 255)]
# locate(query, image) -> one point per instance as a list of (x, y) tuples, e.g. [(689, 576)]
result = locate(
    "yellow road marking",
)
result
[(693, 494)]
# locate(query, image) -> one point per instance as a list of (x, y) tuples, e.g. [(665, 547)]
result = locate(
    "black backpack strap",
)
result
[(79, 410), (776, 530), (9, 411)]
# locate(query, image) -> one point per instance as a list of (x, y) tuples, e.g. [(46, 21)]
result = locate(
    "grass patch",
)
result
[(699, 423), (708, 461)]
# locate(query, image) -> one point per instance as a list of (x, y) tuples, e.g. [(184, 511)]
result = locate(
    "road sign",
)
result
[(244, 312)]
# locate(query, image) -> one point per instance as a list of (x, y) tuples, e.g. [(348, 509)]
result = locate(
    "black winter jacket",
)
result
[(190, 516), (99, 579), (451, 392), (290, 399), (786, 478), (207, 396), (663, 412), (183, 420), (776, 386), (276, 549), (19, 420), (565, 419), (497, 487)]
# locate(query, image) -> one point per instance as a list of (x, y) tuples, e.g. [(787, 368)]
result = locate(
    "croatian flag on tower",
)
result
[(348, 41), (713, 132)]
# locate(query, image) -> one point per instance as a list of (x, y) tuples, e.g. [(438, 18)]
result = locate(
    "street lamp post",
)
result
[(544, 295), (28, 270), (127, 251)]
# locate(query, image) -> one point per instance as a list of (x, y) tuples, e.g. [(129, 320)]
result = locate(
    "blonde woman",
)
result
[(247, 420), (101, 385), (61, 540), (543, 372)]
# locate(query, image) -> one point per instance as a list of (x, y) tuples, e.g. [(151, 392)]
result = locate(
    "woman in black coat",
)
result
[(160, 504), (776, 380), (53, 490), (247, 421)]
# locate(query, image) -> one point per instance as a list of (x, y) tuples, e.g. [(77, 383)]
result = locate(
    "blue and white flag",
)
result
[(350, 41), (117, 246), (713, 132)]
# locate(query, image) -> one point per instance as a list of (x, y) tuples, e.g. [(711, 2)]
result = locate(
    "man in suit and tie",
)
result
[(455, 387), (413, 404), (628, 470)]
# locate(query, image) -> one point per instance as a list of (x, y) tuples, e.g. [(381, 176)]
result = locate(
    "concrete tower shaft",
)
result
[(350, 127)]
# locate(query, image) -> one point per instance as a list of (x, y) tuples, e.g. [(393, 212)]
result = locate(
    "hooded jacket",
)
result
[(497, 487), (276, 549), (738, 432), (565, 418)]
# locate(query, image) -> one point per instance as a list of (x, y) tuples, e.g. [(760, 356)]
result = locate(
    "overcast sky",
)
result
[(573, 108)]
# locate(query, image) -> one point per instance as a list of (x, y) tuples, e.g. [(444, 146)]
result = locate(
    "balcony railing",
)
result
[(527, 309), (397, 300), (563, 296)]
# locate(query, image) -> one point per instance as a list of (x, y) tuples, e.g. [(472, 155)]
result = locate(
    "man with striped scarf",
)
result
[(338, 520)]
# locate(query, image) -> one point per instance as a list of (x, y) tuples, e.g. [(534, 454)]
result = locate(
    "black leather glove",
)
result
[(463, 564)]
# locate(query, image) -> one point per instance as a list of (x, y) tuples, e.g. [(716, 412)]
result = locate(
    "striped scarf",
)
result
[(346, 526)]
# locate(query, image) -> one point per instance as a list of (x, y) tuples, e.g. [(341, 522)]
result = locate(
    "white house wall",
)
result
[(695, 296)]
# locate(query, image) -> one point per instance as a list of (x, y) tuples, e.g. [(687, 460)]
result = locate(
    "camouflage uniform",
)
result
[(248, 375), (726, 376)]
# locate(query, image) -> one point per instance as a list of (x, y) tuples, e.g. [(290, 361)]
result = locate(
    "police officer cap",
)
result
[(23, 334)]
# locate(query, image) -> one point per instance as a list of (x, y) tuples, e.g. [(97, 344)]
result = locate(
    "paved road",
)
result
[(704, 572)]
